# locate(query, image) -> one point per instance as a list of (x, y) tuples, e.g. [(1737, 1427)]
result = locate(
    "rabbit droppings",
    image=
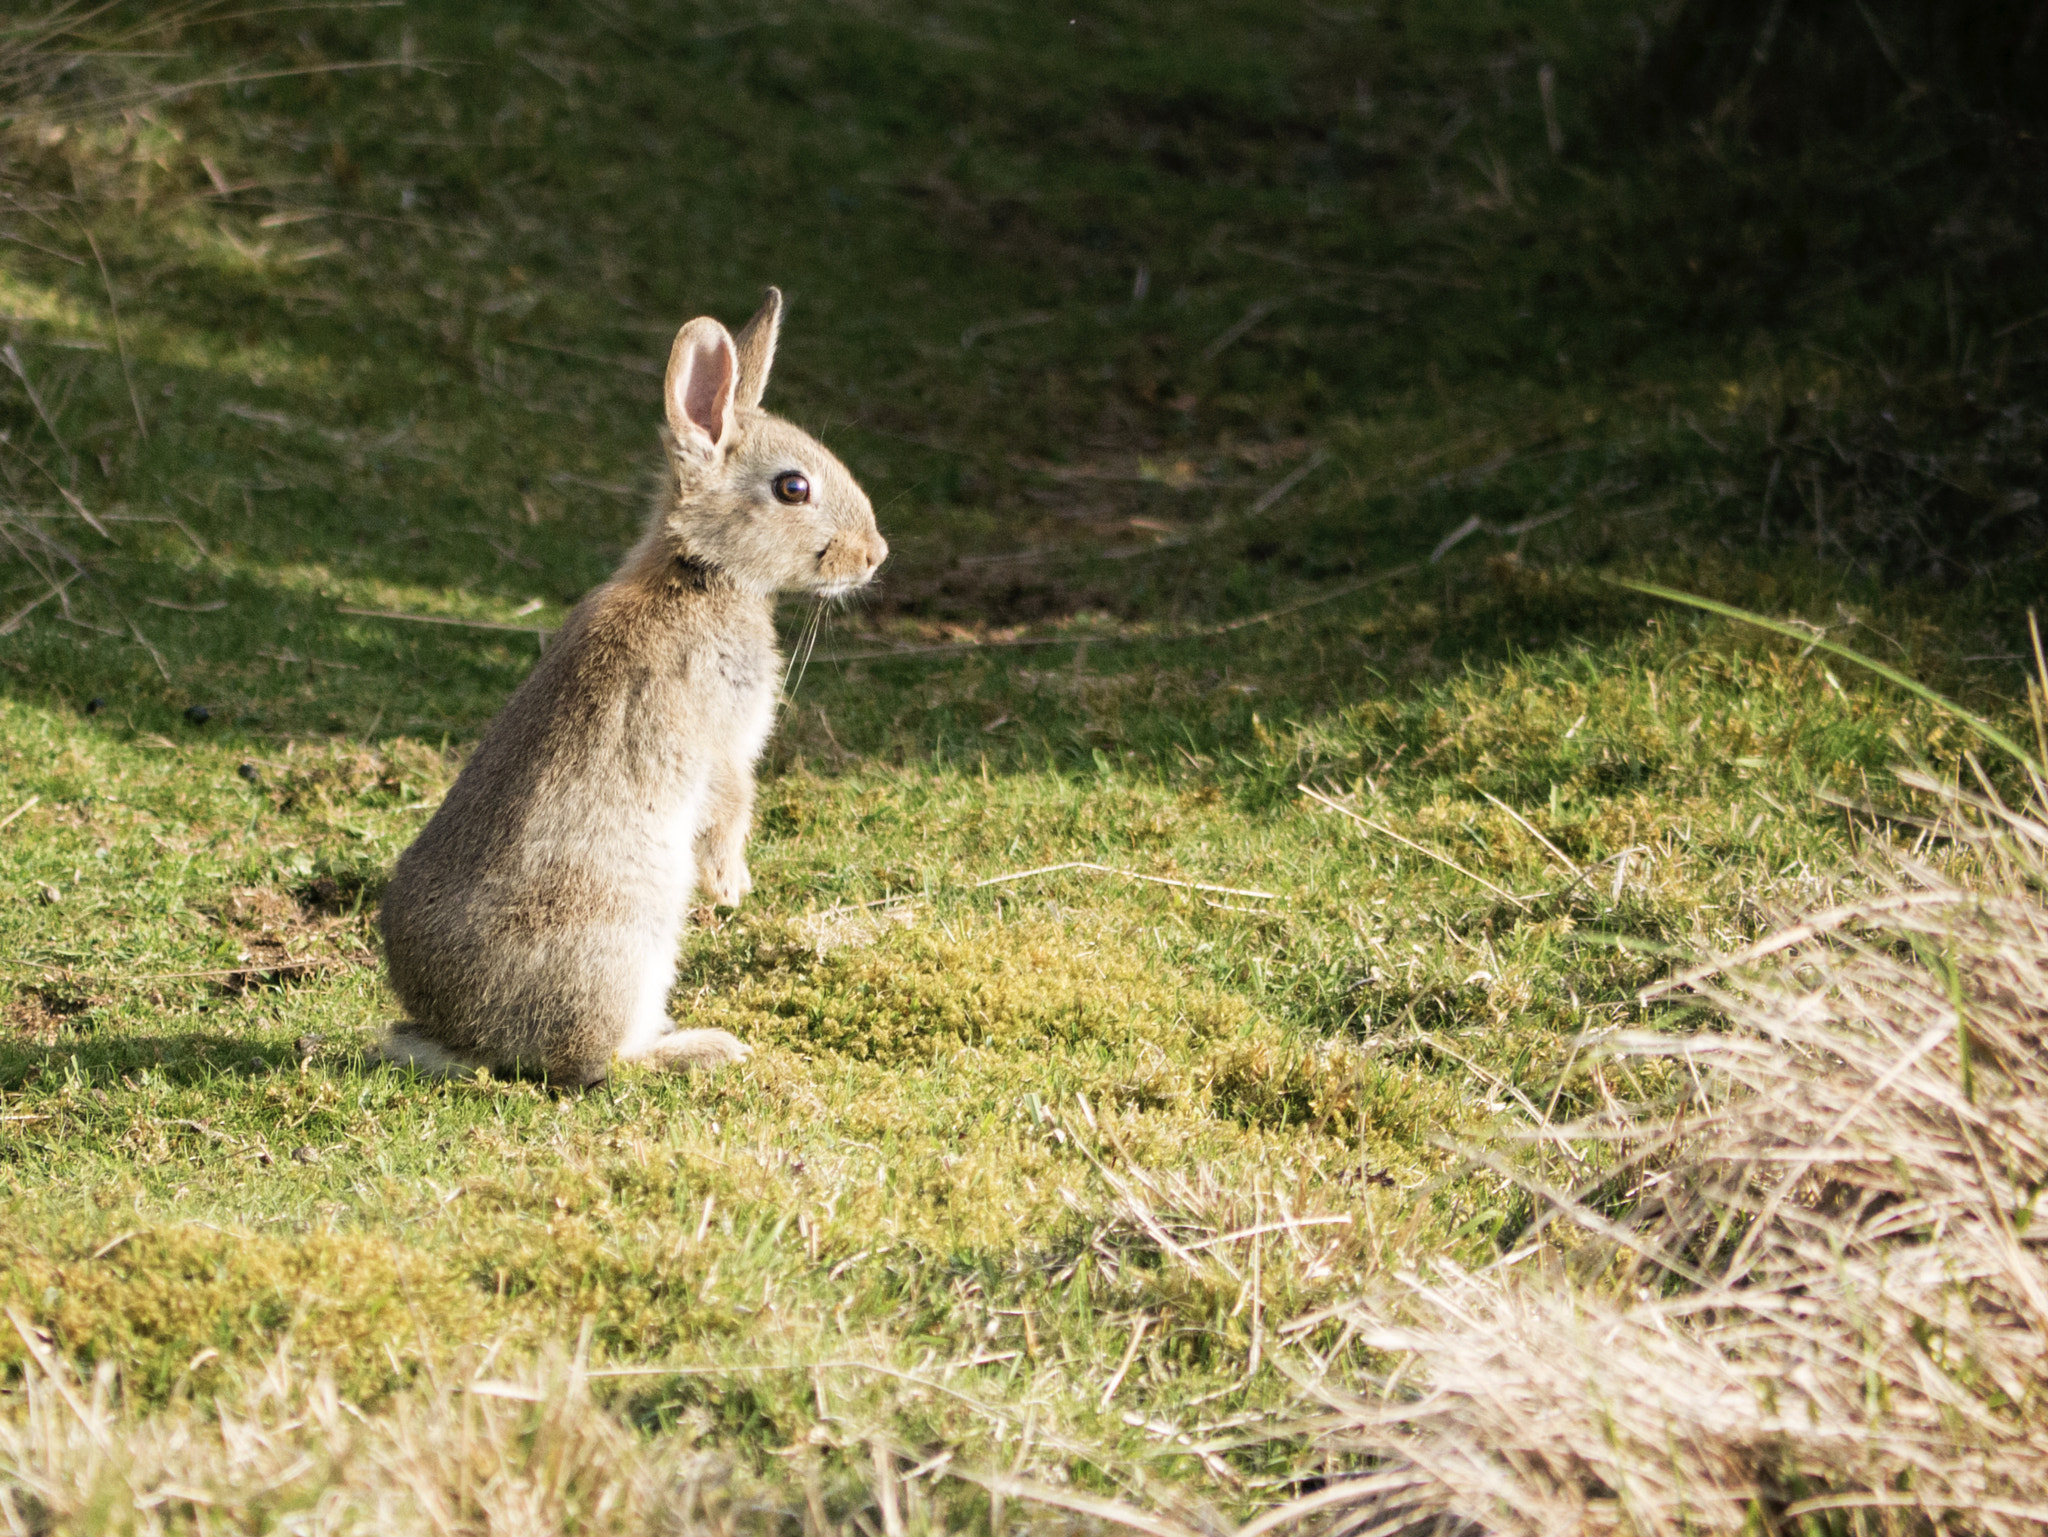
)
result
[(532, 927)]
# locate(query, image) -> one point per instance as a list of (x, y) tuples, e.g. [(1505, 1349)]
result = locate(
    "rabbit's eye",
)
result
[(792, 488)]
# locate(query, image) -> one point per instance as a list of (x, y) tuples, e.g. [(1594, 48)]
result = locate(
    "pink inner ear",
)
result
[(707, 387)]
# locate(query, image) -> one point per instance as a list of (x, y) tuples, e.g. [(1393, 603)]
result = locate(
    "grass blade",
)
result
[(1911, 685)]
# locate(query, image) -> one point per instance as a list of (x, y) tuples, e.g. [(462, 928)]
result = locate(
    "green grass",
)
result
[(1074, 300)]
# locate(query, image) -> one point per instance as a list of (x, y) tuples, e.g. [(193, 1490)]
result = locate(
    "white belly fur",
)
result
[(667, 875)]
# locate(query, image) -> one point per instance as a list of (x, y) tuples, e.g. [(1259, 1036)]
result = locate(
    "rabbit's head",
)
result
[(753, 496)]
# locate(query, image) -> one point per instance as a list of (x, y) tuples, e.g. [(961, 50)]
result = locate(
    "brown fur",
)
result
[(532, 927)]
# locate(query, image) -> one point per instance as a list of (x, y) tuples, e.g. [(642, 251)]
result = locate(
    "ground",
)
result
[(1264, 406)]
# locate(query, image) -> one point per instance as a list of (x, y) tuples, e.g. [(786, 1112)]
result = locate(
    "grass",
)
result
[(1252, 401)]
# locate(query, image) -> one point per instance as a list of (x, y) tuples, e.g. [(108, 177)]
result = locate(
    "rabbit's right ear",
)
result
[(703, 374), (756, 344)]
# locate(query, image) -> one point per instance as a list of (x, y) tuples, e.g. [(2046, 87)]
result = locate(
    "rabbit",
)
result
[(532, 927)]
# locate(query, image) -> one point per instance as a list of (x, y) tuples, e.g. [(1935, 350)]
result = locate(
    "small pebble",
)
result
[(249, 772), (95, 705), (50, 894), (305, 1155), (199, 715)]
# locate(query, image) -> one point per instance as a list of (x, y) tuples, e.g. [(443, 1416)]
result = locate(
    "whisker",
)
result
[(810, 642), (804, 639)]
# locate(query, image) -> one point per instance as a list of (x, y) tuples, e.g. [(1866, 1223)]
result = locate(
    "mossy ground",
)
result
[(1175, 342)]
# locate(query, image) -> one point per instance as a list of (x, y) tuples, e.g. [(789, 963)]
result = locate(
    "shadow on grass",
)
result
[(184, 1058)]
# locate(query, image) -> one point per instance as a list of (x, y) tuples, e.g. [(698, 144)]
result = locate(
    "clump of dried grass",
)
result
[(525, 1452), (1813, 1295)]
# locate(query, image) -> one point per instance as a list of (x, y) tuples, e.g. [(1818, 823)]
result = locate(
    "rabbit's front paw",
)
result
[(725, 882)]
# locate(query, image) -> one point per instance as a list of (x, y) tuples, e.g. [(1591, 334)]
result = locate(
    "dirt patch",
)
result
[(288, 936), (261, 908), (41, 1014), (397, 772)]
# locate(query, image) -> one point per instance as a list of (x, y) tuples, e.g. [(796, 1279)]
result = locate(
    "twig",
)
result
[(15, 620), (189, 608), (1443, 859), (1884, 45), (41, 1352), (517, 1392), (1250, 318), (1322, 597), (142, 640), (2004, 331), (993, 1411), (1455, 537), (1258, 1290), (1132, 875), (120, 345), (84, 512), (20, 371), (1162, 637), (1564, 858), (1116, 1379), (975, 333), (1342, 1220), (1346, 1491), (885, 1487), (1542, 1121), (253, 968), (252, 77), (1810, 928), (861, 907), (41, 468), (1587, 874), (1546, 87), (464, 624), (167, 517), (18, 810), (62, 256), (1115, 1511), (1295, 477), (951, 648)]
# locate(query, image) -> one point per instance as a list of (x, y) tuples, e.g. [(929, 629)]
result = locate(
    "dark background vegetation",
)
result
[(1073, 293)]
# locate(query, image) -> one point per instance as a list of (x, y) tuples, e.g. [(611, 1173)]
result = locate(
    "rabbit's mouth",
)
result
[(847, 563)]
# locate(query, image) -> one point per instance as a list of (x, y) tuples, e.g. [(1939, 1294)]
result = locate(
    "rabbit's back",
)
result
[(577, 814)]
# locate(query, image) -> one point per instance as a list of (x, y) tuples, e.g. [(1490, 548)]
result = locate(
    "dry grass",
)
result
[(511, 1452), (1810, 1295)]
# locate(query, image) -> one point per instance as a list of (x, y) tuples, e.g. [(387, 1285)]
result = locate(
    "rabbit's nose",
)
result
[(878, 551)]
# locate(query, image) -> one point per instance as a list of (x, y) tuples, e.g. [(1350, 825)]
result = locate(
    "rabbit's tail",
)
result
[(406, 1049)]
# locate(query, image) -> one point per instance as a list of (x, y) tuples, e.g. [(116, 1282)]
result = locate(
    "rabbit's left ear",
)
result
[(756, 345), (703, 368)]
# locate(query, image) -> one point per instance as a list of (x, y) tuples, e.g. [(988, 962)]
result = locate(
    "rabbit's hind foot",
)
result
[(429, 1058), (682, 1051)]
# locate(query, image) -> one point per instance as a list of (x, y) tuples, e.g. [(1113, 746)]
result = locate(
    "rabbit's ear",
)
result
[(703, 369), (756, 344)]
